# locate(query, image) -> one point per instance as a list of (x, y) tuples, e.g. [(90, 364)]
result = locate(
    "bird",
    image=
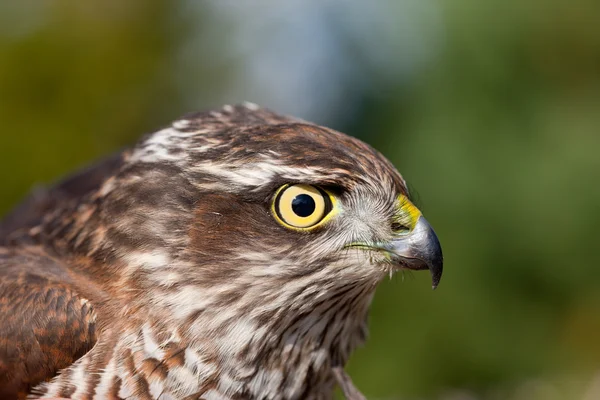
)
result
[(232, 254)]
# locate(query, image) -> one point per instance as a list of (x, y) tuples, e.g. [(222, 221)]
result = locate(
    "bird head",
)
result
[(241, 220)]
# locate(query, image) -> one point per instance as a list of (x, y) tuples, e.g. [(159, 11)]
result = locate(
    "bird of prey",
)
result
[(231, 255)]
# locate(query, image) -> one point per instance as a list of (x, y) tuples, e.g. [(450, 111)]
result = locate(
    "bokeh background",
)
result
[(490, 109)]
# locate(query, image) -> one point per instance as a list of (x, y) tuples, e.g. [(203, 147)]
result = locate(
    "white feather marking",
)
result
[(257, 174), (52, 387), (183, 379), (251, 106), (125, 391), (240, 332), (174, 338), (156, 147), (181, 124), (267, 383), (79, 377), (167, 278), (150, 260), (107, 187), (194, 362), (156, 388), (151, 348), (229, 385), (185, 301), (106, 377)]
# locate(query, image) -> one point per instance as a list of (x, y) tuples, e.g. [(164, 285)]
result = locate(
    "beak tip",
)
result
[(435, 280), (435, 259)]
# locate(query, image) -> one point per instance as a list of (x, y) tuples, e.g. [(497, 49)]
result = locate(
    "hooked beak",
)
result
[(418, 249), (414, 244)]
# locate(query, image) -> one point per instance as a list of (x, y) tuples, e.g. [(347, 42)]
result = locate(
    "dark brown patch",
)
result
[(115, 388), (45, 327)]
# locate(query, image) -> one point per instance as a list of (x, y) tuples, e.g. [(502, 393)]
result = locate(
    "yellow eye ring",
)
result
[(301, 207)]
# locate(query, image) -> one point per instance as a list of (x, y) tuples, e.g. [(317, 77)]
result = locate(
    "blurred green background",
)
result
[(490, 109)]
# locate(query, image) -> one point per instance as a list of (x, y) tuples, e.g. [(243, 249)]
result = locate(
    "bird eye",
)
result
[(301, 206)]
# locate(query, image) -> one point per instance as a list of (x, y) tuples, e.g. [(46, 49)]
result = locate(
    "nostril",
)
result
[(399, 227)]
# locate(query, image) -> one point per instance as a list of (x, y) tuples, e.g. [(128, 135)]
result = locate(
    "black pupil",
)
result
[(303, 205)]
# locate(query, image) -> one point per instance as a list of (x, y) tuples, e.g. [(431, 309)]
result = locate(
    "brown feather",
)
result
[(46, 325)]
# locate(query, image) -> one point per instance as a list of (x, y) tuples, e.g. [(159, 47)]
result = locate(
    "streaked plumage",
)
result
[(170, 272)]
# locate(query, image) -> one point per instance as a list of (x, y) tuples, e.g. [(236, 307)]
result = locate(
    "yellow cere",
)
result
[(408, 214), (284, 212)]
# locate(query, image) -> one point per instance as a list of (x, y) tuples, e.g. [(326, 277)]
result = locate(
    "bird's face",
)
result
[(328, 225)]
